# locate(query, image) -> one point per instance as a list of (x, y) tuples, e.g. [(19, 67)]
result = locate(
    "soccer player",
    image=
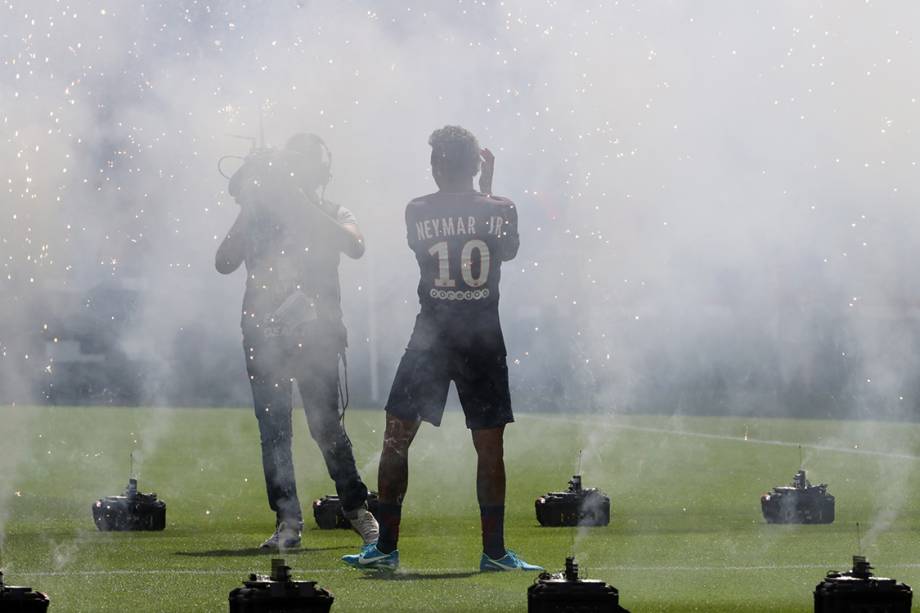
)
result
[(460, 237), (290, 239)]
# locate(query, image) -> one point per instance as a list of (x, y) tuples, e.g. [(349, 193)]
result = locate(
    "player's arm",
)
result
[(232, 250), (509, 240), (486, 170)]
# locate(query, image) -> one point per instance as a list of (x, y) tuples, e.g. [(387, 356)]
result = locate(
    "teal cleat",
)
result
[(372, 558), (510, 561)]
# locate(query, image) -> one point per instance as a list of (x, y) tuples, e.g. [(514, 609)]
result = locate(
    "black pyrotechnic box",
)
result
[(132, 511), (328, 513), (16, 599), (557, 592), (799, 503), (859, 591), (576, 506), (278, 593)]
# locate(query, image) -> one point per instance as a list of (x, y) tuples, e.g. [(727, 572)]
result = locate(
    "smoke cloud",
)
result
[(716, 199)]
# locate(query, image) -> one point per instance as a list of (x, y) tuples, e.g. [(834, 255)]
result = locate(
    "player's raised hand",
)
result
[(488, 169)]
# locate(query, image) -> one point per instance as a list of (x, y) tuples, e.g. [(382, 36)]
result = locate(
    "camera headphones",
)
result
[(303, 143)]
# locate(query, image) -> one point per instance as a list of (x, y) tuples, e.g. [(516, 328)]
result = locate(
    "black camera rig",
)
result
[(269, 170)]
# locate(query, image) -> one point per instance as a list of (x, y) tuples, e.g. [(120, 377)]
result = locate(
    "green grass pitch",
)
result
[(686, 533)]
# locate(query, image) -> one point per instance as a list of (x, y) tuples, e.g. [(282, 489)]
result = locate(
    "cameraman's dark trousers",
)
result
[(312, 360)]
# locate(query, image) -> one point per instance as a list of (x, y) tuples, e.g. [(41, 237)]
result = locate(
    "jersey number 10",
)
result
[(466, 264)]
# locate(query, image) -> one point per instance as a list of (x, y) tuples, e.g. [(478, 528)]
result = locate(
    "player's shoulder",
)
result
[(422, 200), (419, 203), (499, 202), (503, 200)]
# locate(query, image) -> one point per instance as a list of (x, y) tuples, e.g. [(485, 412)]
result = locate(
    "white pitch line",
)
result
[(741, 439), (423, 571)]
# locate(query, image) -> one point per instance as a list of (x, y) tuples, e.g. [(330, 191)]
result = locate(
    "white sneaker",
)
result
[(364, 523), (286, 536)]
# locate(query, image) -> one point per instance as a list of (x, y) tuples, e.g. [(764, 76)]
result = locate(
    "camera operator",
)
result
[(290, 240)]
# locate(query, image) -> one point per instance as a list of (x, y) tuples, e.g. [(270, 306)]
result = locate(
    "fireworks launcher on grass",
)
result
[(565, 591), (278, 593), (858, 590), (21, 599), (576, 506), (328, 512), (799, 503), (132, 511)]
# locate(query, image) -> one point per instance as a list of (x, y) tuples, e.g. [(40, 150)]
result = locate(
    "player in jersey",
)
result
[(460, 237)]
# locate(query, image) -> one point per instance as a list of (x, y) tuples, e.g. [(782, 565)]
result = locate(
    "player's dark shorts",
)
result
[(420, 387)]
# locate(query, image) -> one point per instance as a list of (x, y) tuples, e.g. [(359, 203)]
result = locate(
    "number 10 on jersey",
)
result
[(466, 264)]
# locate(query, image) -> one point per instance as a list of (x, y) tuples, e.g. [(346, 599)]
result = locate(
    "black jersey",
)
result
[(460, 240)]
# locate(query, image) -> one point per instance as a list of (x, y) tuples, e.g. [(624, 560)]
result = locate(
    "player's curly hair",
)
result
[(454, 151)]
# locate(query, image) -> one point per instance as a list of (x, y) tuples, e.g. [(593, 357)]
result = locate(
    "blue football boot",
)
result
[(372, 558), (510, 561)]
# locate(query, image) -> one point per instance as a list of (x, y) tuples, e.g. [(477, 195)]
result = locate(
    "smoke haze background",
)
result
[(717, 205), (715, 198)]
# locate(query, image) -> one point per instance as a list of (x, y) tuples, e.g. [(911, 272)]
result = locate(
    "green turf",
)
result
[(686, 535)]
